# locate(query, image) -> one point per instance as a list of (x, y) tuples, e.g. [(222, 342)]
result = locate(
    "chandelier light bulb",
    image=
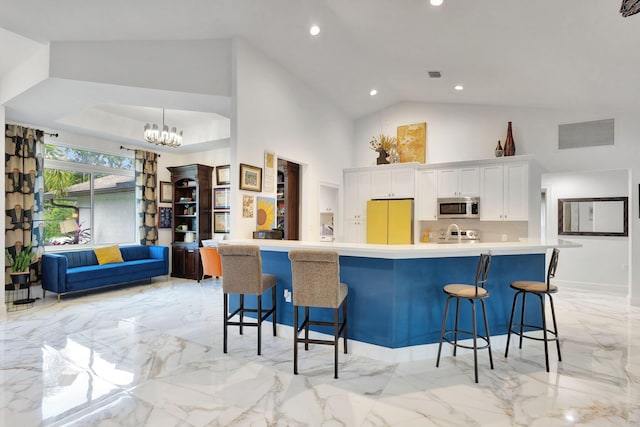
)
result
[(153, 135)]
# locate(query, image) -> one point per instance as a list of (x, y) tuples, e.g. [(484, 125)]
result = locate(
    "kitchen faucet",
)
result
[(449, 231)]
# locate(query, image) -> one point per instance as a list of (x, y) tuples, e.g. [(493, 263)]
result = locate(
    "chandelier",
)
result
[(165, 137)]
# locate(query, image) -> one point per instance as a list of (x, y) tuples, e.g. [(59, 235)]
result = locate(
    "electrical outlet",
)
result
[(287, 295), (504, 237)]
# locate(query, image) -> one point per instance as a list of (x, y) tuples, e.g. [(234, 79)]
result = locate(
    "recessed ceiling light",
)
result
[(435, 2), (434, 74), (458, 87), (373, 92), (314, 30)]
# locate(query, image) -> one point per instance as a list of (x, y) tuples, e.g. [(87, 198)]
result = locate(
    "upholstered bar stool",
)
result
[(472, 293), (316, 283), (541, 290), (211, 265), (242, 274)]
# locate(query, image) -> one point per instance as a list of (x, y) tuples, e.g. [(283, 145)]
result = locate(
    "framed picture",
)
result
[(221, 198), (250, 178), (222, 175), (164, 217), (166, 190), (221, 222)]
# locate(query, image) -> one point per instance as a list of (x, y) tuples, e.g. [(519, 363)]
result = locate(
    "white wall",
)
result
[(194, 66), (602, 264), (468, 132), (275, 111)]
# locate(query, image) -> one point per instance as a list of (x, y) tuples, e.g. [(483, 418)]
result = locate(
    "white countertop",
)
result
[(419, 250)]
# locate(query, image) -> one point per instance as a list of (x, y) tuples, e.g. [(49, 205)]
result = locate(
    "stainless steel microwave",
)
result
[(459, 207)]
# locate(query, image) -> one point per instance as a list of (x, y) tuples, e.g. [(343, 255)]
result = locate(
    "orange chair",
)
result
[(211, 265)]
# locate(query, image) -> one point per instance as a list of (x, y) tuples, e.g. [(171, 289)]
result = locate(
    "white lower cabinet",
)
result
[(504, 192)]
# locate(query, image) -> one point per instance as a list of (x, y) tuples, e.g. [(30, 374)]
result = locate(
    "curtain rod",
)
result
[(122, 147), (54, 135)]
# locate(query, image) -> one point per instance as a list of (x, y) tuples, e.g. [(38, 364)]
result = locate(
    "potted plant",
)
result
[(20, 266)]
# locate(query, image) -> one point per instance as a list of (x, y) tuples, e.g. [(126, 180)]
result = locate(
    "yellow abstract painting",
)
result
[(412, 143)]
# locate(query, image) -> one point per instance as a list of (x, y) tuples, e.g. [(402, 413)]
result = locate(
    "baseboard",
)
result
[(600, 288), (394, 355)]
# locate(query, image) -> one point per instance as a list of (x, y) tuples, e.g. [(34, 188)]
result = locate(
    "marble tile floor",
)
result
[(151, 355)]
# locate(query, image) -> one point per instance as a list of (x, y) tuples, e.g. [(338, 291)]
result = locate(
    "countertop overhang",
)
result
[(418, 250)]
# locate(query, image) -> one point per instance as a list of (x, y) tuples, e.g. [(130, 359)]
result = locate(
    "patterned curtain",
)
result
[(146, 182), (24, 193)]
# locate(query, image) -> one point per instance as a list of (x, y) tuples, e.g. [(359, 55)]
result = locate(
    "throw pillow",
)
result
[(108, 254)]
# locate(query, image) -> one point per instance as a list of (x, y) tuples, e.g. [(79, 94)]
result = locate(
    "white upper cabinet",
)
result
[(427, 197), (458, 182), (357, 190), (328, 198), (396, 183), (504, 192)]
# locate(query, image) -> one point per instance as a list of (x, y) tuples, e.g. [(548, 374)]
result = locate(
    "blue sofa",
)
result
[(65, 272)]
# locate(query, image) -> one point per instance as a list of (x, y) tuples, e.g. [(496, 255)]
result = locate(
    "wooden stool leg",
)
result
[(455, 329)]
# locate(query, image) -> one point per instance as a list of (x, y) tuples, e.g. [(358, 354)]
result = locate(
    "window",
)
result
[(89, 197)]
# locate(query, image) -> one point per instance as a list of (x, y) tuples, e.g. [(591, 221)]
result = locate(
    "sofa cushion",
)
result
[(80, 258), (90, 276), (132, 253), (108, 255)]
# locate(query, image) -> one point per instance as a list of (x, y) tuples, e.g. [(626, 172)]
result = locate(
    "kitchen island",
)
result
[(395, 291)]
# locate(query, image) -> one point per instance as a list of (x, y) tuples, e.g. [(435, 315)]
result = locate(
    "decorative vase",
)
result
[(509, 145), (382, 158), (499, 150)]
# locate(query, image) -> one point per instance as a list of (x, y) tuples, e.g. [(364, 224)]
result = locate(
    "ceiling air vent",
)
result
[(434, 74)]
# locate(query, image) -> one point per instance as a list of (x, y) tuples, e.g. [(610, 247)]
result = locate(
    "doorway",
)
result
[(288, 199)]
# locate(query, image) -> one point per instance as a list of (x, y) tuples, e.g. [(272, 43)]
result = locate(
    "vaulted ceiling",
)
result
[(578, 54)]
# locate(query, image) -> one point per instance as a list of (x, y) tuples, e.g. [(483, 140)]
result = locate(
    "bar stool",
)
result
[(540, 289), (242, 274), (472, 293), (316, 283)]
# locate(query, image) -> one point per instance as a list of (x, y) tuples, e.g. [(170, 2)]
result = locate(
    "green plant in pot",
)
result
[(20, 265)]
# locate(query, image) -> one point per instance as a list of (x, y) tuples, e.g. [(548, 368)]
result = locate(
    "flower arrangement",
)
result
[(383, 143)]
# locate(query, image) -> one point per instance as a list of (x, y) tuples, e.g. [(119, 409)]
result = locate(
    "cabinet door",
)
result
[(468, 182), (393, 184), (491, 193), (354, 231), (357, 189), (328, 199), (516, 192), (427, 195), (192, 264), (381, 184), (403, 183), (177, 261), (447, 182)]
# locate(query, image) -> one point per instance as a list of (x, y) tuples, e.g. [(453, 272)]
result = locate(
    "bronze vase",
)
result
[(509, 145), (382, 158)]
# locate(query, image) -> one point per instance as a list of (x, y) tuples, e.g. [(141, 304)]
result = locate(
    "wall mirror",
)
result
[(597, 216)]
